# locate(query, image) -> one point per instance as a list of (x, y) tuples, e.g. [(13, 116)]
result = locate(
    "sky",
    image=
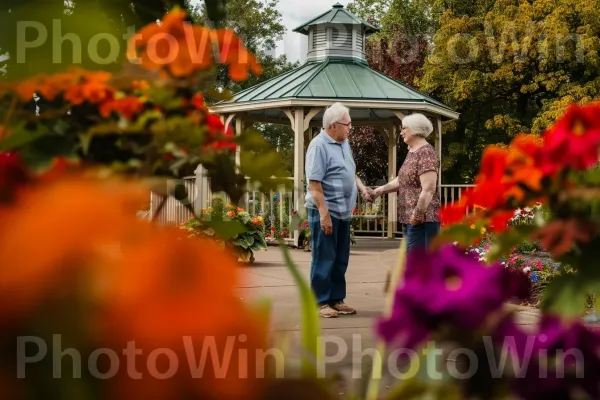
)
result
[(295, 13)]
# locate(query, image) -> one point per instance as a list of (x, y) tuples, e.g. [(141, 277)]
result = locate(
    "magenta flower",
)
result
[(445, 287), (571, 350)]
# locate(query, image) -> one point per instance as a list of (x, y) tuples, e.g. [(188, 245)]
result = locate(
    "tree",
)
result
[(509, 70), (260, 26), (399, 52)]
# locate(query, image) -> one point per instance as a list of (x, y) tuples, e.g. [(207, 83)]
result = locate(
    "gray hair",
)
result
[(418, 124), (333, 114)]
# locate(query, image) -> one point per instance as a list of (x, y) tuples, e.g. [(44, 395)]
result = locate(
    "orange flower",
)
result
[(138, 283), (93, 87), (39, 245), (128, 107), (232, 52), (173, 45), (141, 85), (182, 303)]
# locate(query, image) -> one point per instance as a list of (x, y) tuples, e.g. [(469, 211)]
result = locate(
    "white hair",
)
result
[(418, 124), (333, 114)]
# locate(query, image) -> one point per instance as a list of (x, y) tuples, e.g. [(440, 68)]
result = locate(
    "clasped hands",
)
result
[(369, 194)]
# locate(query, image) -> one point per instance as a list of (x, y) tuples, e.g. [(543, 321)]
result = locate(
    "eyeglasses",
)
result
[(349, 124)]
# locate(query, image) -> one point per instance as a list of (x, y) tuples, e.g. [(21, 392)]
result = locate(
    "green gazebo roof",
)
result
[(336, 70), (334, 79), (337, 15)]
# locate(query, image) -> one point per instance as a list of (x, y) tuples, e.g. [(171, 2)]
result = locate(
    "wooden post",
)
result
[(438, 150), (392, 172), (298, 166)]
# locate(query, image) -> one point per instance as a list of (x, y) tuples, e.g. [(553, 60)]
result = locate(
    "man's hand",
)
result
[(326, 224), (368, 194)]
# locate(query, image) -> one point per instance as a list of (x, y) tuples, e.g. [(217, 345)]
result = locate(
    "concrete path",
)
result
[(347, 339)]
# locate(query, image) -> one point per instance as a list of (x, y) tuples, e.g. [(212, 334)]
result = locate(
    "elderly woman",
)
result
[(416, 184)]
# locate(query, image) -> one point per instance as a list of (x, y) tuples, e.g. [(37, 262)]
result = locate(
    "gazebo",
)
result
[(336, 69)]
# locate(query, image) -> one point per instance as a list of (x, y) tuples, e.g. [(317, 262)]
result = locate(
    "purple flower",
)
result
[(444, 287), (571, 350)]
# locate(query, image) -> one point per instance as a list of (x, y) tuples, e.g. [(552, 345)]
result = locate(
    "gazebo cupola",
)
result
[(336, 34)]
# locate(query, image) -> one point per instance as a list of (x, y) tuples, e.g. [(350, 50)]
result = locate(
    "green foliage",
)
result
[(259, 26)]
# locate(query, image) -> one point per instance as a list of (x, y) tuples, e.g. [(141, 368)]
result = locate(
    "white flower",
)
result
[(526, 269)]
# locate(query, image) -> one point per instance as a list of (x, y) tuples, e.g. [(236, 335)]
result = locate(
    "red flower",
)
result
[(453, 213), (573, 141), (499, 220), (12, 174), (198, 101)]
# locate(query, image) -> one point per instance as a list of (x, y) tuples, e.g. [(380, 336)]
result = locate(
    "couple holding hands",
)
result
[(332, 188)]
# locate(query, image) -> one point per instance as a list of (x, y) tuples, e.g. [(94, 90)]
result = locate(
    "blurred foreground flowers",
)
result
[(544, 189), (114, 306), (79, 264)]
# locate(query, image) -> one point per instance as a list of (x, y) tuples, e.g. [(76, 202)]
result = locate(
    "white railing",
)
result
[(277, 207)]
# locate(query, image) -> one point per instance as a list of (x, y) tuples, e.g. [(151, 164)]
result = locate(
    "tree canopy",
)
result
[(509, 70), (506, 66)]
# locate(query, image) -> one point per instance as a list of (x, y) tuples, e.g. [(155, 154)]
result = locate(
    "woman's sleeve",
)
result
[(427, 162)]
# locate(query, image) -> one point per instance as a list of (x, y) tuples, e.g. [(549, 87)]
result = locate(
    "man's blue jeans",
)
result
[(420, 236), (330, 256)]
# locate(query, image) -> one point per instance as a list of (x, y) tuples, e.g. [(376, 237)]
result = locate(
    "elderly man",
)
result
[(332, 187)]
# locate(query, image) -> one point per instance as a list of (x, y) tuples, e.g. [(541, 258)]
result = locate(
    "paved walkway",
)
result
[(348, 337)]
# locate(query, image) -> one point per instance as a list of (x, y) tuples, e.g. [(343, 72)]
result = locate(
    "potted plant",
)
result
[(232, 227)]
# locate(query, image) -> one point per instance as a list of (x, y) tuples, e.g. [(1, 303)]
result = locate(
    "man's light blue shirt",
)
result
[(332, 164)]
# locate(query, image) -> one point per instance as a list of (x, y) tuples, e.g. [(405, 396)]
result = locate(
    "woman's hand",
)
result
[(367, 194), (378, 192), (417, 217)]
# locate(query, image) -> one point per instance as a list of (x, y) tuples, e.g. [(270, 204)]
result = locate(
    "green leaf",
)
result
[(38, 155), (260, 244), (21, 137), (60, 126), (310, 334), (566, 295), (227, 230), (165, 98)]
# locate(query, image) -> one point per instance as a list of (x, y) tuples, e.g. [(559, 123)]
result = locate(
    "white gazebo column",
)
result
[(392, 172), (438, 150), (298, 165), (239, 128)]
